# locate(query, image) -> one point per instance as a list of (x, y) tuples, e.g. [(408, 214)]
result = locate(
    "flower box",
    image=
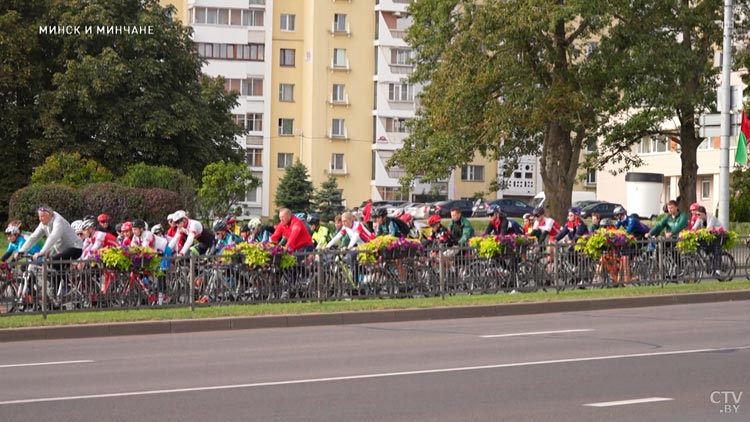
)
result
[(605, 241), (494, 246)]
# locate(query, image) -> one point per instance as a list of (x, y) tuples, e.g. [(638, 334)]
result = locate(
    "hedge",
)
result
[(120, 202)]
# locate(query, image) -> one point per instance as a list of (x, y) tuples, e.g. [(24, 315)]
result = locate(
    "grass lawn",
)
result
[(156, 314)]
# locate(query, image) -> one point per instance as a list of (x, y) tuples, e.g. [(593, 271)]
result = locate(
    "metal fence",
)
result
[(64, 286)]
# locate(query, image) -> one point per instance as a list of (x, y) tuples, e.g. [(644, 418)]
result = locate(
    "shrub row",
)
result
[(122, 203)]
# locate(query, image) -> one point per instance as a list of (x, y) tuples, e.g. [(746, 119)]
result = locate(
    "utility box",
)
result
[(644, 191)]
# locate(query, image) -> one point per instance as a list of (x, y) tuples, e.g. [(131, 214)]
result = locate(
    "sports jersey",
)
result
[(16, 246), (97, 241), (357, 233)]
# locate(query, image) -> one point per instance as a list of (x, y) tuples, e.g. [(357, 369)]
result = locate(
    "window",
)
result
[(254, 122), (287, 57), (255, 52), (286, 127), (231, 51), (254, 156), (337, 128), (395, 125), (339, 23), (223, 17), (472, 173), (287, 22), (337, 162), (591, 177), (705, 188), (253, 17), (339, 57), (284, 160), (252, 195), (401, 56), (400, 92), (337, 95), (286, 92), (652, 145), (391, 194)]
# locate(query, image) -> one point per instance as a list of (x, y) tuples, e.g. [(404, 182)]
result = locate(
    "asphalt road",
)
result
[(674, 363)]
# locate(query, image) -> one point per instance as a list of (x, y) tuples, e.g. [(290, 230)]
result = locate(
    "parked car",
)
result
[(585, 203), (603, 208), (443, 208), (418, 210), (385, 204), (511, 207), (480, 208), (393, 209)]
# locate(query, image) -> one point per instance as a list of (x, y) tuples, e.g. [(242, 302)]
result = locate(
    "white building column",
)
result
[(674, 188)]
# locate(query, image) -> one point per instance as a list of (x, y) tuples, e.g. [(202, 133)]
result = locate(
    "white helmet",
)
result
[(85, 225), (254, 223), (12, 230), (179, 215), (76, 225)]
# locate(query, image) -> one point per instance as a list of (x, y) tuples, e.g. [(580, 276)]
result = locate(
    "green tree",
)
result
[(117, 97), (142, 175), (506, 79), (295, 188), (70, 170), (224, 186), (328, 200)]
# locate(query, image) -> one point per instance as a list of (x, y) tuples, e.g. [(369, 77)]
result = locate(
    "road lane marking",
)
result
[(537, 333), (367, 376), (65, 362), (624, 402)]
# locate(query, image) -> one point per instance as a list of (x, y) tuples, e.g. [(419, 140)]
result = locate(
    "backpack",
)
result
[(403, 228)]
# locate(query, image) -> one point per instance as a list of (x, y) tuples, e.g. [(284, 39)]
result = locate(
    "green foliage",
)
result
[(690, 241), (63, 199), (603, 241), (328, 200), (142, 175), (224, 186), (295, 188), (257, 255), (115, 258), (739, 201), (70, 169)]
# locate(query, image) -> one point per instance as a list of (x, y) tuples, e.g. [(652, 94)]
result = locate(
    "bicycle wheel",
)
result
[(8, 295), (727, 267)]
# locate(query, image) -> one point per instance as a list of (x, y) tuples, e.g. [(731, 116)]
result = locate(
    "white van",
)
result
[(539, 198)]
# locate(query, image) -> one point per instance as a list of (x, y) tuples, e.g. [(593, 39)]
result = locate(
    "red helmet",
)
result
[(434, 219), (694, 206), (407, 218), (103, 218), (126, 226)]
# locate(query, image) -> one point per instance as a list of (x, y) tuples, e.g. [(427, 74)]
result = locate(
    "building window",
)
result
[(253, 17), (705, 188), (249, 87), (591, 177), (337, 162), (285, 159), (337, 95), (400, 92), (225, 16), (286, 92), (395, 125), (254, 156), (650, 145), (401, 56), (472, 173), (338, 129), (286, 127), (287, 23), (251, 122), (388, 193), (339, 22), (339, 57), (252, 195), (287, 57), (254, 52)]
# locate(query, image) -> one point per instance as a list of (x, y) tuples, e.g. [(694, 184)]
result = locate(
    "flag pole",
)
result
[(726, 128)]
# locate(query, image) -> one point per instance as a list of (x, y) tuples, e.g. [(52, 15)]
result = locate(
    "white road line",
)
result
[(366, 376), (65, 362), (536, 333), (624, 402)]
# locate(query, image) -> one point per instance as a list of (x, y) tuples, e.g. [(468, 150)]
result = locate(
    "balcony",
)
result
[(337, 136), (338, 102), (401, 69), (339, 67), (338, 171)]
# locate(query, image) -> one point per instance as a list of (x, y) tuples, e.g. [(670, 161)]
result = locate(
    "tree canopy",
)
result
[(328, 200), (224, 187), (295, 188), (70, 170)]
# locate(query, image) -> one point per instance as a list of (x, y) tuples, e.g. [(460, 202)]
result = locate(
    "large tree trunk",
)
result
[(689, 166), (559, 163)]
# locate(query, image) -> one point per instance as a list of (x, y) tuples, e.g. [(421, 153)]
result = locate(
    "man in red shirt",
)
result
[(294, 231)]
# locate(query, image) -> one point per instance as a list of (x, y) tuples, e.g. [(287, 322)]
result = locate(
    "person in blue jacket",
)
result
[(15, 241)]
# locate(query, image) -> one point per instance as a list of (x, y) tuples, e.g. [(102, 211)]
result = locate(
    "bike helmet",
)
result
[(230, 219), (527, 216), (300, 215), (380, 212), (407, 218), (313, 219), (253, 224), (575, 210), (126, 226), (398, 212), (139, 224), (178, 215), (12, 230), (619, 211), (157, 229), (434, 219), (694, 206), (244, 228), (103, 218), (538, 211), (87, 224), (492, 209), (220, 225)]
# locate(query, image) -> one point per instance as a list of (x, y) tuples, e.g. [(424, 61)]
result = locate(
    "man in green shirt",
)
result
[(675, 222), (461, 228)]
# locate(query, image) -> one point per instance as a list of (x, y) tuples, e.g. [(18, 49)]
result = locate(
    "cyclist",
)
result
[(704, 220), (188, 231), (544, 228), (574, 228), (675, 222), (320, 235), (528, 223), (596, 222), (224, 237), (294, 231), (439, 235), (631, 223), (95, 239), (126, 234), (460, 227), (15, 241), (693, 215), (356, 231), (258, 232), (338, 222), (389, 226), (61, 242), (104, 224), (415, 228), (141, 235), (499, 223), (231, 224)]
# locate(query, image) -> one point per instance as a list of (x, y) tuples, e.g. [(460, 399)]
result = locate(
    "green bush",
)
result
[(142, 175), (63, 199), (739, 208)]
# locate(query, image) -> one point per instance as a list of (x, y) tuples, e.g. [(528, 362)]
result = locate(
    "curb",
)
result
[(364, 317)]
